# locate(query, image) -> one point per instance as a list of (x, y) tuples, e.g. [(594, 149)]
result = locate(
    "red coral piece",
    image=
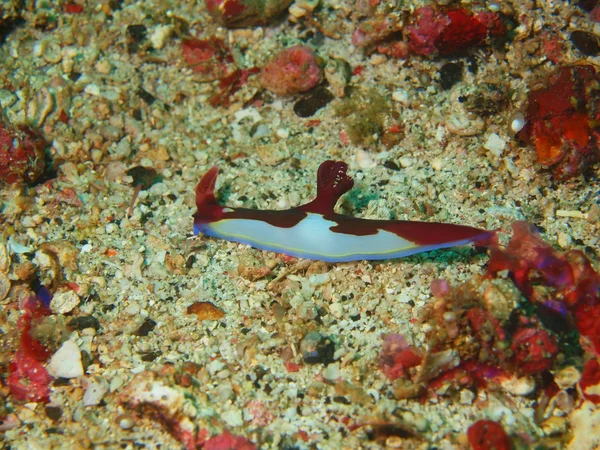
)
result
[(34, 310), (488, 435), (534, 350), (73, 8), (22, 157), (446, 32), (229, 85), (397, 356), (531, 261), (28, 380), (590, 378), (227, 441), (377, 29), (463, 31), (562, 121), (245, 13), (484, 324), (209, 57), (292, 71), (587, 321)]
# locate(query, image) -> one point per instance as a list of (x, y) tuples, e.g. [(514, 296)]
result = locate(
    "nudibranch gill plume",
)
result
[(316, 231)]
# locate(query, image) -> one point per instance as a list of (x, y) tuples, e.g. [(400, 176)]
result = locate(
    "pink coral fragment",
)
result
[(534, 350), (28, 380), (227, 441), (397, 356), (292, 71)]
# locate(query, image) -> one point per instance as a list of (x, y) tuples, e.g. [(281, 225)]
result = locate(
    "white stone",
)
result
[(160, 35), (64, 302), (66, 362), (495, 144), (332, 372), (336, 310), (519, 386), (401, 96), (92, 89), (94, 393), (364, 160), (233, 418)]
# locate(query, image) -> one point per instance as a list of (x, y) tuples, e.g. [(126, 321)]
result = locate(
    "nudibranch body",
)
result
[(315, 231)]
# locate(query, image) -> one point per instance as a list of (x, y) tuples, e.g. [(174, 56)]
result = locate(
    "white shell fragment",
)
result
[(66, 362), (145, 389), (516, 123), (519, 386), (64, 302), (94, 392), (495, 144)]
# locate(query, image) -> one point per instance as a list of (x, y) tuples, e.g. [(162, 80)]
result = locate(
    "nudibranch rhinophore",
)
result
[(316, 231)]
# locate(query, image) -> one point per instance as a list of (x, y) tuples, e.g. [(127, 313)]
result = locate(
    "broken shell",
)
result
[(519, 386), (463, 126), (501, 297), (64, 302), (51, 52), (4, 258), (40, 107), (567, 377), (4, 286), (516, 123), (337, 74), (554, 425), (245, 13), (300, 8)]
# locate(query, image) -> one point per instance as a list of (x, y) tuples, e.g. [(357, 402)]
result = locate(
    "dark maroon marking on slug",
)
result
[(287, 218), (421, 233), (208, 210), (332, 183)]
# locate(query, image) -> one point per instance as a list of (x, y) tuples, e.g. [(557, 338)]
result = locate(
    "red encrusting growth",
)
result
[(22, 153), (562, 121), (488, 435), (590, 381), (534, 350), (292, 71), (29, 380), (431, 31), (397, 356), (531, 262), (227, 441), (444, 32), (211, 59)]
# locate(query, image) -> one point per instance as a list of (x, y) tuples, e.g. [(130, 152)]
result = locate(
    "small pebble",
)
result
[(586, 43), (401, 96), (495, 144), (336, 310), (233, 418), (450, 74), (146, 327), (318, 98), (66, 362), (160, 35), (317, 349), (126, 421), (94, 393), (64, 302)]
